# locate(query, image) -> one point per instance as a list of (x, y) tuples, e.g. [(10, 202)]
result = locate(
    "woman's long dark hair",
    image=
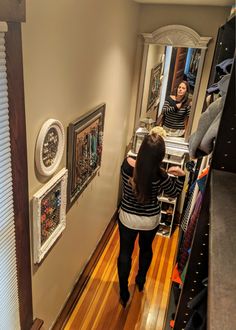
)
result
[(185, 100), (148, 166)]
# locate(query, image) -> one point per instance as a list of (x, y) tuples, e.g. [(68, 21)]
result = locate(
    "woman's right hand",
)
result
[(176, 170)]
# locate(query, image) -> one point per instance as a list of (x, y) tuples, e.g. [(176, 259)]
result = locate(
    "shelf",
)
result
[(163, 224), (222, 247), (172, 162), (170, 200), (176, 146)]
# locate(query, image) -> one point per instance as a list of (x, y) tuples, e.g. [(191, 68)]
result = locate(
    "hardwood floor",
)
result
[(98, 307)]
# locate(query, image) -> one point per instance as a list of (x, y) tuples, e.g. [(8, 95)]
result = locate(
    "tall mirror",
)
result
[(172, 55)]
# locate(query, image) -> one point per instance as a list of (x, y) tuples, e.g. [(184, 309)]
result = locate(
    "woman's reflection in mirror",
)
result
[(175, 111)]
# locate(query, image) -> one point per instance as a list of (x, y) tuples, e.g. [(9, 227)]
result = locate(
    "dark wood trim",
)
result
[(12, 11), (224, 151), (85, 276), (37, 324), (19, 170)]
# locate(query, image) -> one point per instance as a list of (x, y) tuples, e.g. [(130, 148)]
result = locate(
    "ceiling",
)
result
[(190, 2)]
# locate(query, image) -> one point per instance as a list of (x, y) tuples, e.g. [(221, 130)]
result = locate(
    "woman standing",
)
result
[(175, 111), (143, 180)]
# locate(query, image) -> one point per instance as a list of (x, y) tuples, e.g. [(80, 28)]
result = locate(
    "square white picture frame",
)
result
[(49, 214)]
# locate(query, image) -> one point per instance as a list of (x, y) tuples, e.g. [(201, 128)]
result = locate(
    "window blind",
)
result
[(9, 300)]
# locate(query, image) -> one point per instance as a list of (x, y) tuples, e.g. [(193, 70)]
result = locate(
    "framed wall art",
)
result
[(49, 147), (49, 214), (155, 85), (85, 142)]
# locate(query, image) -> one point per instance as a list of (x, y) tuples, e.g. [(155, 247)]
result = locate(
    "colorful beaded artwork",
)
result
[(50, 212)]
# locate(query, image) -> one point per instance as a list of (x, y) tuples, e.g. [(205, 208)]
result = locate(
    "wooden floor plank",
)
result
[(98, 307)]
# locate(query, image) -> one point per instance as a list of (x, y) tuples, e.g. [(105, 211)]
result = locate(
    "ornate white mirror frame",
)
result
[(176, 36)]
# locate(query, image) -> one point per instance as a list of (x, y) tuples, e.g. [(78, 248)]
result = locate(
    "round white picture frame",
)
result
[(49, 147)]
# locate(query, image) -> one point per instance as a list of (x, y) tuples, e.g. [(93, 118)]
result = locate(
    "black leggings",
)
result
[(127, 240)]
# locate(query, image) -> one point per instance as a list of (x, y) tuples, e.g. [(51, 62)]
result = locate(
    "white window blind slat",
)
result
[(4, 135), (9, 305), (11, 325), (4, 140), (5, 163), (5, 174), (4, 108), (7, 235), (10, 275), (3, 82), (6, 211), (12, 295), (3, 123), (4, 225), (5, 152), (7, 299), (4, 199), (8, 204), (7, 254), (9, 271), (11, 312), (5, 170)]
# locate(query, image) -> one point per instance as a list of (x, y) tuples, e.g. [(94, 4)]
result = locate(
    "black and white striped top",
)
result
[(173, 117), (171, 186)]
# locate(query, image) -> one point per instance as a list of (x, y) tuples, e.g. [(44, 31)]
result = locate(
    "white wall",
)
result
[(77, 54)]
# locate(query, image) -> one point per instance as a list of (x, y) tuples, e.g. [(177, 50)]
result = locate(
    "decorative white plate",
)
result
[(49, 147)]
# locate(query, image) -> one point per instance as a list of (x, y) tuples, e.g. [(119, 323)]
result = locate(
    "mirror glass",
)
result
[(167, 67), (171, 70)]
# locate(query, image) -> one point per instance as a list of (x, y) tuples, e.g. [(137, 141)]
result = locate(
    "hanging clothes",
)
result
[(224, 67), (192, 194), (201, 142), (192, 199), (188, 235), (220, 87), (187, 241)]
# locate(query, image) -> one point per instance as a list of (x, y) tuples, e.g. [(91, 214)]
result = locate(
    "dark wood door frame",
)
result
[(19, 170), (14, 12)]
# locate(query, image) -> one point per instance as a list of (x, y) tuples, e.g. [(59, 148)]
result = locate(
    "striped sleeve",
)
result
[(188, 111), (168, 107), (172, 186)]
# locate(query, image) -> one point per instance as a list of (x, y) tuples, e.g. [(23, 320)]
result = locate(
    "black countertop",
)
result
[(222, 252)]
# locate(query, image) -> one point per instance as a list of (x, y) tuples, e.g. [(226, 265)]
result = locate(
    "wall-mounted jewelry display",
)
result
[(49, 147), (85, 143), (49, 214)]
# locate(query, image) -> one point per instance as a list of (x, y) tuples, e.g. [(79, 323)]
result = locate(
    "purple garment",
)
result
[(188, 236)]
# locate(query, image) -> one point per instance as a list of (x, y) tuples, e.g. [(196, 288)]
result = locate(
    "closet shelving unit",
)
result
[(214, 242), (169, 204)]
